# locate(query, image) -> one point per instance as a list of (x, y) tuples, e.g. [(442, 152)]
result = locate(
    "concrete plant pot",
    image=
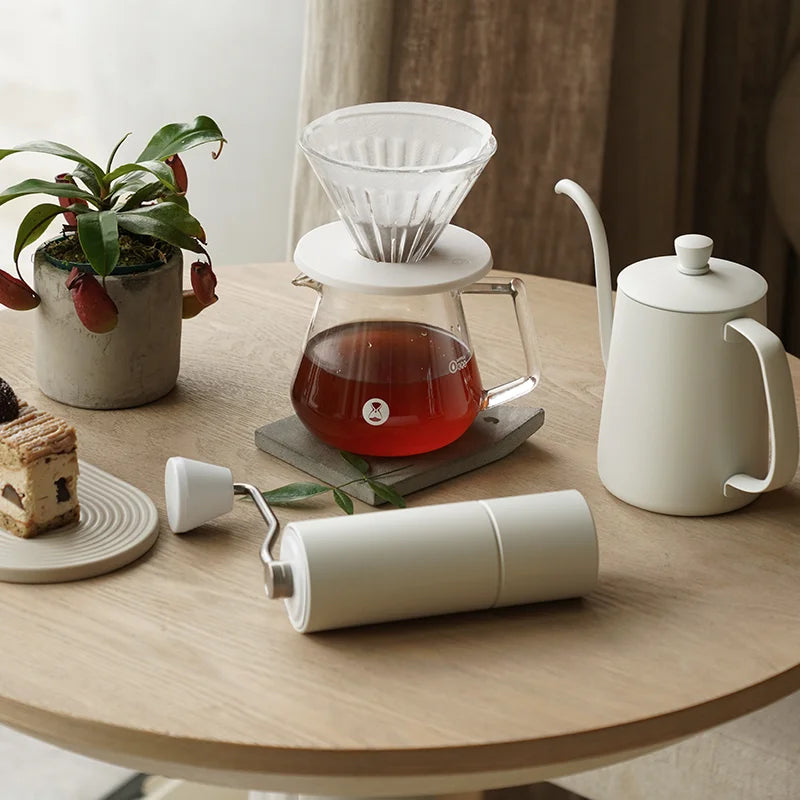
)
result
[(136, 363)]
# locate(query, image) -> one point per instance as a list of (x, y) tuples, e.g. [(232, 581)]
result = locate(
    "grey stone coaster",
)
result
[(491, 436)]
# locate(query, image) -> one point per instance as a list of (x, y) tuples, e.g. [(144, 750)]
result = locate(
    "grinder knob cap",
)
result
[(196, 492)]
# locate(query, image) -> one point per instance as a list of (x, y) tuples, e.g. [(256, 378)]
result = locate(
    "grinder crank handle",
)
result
[(197, 492)]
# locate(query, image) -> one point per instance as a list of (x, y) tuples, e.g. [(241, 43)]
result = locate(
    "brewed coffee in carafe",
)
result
[(387, 387)]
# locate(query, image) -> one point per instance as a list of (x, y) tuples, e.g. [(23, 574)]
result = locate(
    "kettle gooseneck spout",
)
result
[(602, 270)]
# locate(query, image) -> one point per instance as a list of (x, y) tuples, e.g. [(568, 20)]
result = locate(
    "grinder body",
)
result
[(439, 559)]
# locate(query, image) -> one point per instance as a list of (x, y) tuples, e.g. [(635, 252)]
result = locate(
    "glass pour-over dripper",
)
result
[(397, 172)]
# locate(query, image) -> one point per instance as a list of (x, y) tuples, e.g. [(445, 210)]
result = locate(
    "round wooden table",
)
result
[(179, 664)]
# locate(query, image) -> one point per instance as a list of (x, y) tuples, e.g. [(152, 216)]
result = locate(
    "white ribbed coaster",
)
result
[(118, 524)]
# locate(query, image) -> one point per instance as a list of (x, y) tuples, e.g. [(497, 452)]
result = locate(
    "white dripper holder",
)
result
[(355, 570)]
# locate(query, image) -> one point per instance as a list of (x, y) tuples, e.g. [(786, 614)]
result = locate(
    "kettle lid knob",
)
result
[(693, 250)]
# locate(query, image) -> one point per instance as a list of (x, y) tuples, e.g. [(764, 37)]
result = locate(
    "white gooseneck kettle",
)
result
[(698, 410)]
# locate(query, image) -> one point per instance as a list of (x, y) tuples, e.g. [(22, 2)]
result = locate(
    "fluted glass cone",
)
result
[(397, 172)]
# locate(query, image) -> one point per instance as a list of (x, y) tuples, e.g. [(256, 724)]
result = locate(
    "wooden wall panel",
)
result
[(538, 72), (746, 55), (642, 158), (692, 86)]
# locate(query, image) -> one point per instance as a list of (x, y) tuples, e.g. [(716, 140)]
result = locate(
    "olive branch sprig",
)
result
[(294, 492)]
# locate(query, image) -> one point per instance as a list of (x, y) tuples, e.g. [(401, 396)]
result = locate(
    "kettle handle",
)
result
[(781, 413)]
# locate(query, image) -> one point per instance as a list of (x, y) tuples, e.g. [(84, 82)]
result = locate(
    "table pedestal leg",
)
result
[(284, 796)]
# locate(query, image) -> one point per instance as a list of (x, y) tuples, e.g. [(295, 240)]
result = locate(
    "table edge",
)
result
[(182, 757)]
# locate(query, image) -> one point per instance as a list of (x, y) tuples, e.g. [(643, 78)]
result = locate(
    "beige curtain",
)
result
[(346, 57), (660, 109), (538, 71)]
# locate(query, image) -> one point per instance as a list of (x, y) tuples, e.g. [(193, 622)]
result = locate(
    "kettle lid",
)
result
[(691, 281)]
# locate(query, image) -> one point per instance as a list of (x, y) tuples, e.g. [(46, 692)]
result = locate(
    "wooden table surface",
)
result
[(180, 665)]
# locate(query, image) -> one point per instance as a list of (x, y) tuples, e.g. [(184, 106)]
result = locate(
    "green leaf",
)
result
[(35, 223), (158, 168), (114, 151), (293, 492), (133, 182), (55, 149), (88, 177), (168, 213), (99, 238), (132, 198), (386, 493), (177, 137), (178, 199), (355, 461), (344, 501), (36, 186), (166, 221)]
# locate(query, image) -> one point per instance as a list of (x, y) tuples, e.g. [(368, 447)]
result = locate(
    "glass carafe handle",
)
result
[(520, 386)]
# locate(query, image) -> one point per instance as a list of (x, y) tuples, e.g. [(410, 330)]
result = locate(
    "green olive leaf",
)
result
[(355, 461), (344, 501), (292, 492), (386, 493)]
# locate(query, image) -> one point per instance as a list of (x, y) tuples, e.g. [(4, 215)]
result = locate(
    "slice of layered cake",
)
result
[(38, 468)]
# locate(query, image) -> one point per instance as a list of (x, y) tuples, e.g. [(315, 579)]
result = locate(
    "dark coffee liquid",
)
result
[(386, 388)]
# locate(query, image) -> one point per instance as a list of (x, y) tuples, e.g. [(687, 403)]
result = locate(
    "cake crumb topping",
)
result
[(34, 434)]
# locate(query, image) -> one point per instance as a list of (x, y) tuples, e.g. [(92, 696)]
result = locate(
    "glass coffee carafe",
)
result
[(387, 367)]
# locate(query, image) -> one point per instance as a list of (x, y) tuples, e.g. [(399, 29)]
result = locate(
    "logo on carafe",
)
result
[(375, 411), (458, 363)]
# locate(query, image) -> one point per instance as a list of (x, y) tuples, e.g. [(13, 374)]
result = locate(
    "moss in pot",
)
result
[(108, 291)]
